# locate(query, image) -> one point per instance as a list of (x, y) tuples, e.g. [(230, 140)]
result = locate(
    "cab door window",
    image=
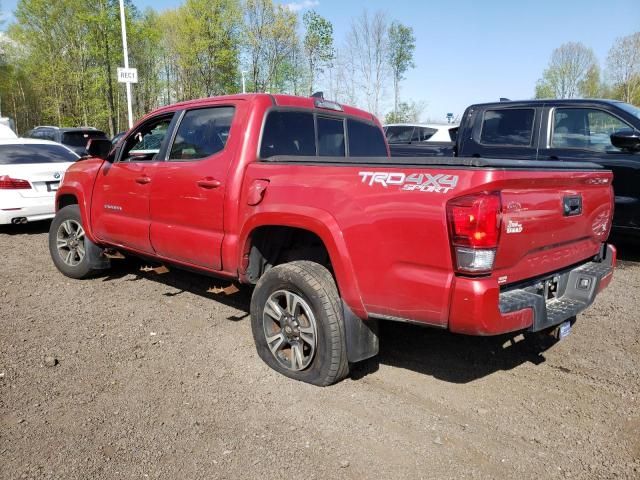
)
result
[(146, 142), (585, 128)]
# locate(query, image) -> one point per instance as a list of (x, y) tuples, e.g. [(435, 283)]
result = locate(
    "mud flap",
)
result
[(97, 261), (361, 336)]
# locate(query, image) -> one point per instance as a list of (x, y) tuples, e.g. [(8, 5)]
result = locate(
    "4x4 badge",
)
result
[(423, 182)]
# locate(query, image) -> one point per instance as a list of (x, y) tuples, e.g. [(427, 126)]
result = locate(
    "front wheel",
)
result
[(71, 251), (297, 323)]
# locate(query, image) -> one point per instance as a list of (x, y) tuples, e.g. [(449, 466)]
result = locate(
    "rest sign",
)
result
[(128, 75)]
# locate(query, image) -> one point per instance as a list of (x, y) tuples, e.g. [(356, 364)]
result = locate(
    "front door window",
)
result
[(585, 128)]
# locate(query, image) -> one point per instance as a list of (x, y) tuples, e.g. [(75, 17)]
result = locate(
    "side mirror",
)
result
[(99, 148), (626, 140)]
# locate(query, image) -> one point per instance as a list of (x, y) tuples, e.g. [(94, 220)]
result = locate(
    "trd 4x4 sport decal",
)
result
[(424, 182)]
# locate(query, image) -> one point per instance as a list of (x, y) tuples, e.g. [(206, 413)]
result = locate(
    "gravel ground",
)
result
[(138, 375)]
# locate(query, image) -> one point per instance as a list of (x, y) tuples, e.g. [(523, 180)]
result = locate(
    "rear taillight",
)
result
[(474, 229), (8, 183)]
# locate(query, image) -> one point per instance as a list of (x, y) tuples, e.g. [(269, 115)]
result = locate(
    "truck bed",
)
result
[(391, 214), (427, 149)]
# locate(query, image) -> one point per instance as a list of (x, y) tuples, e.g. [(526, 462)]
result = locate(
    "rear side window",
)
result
[(42, 134), (48, 135), (365, 140), (511, 126), (399, 134), (202, 133), (80, 139), (330, 137), (288, 133), (21, 154), (422, 134)]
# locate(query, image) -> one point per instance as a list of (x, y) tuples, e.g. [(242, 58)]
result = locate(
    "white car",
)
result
[(30, 172), (6, 132), (404, 133)]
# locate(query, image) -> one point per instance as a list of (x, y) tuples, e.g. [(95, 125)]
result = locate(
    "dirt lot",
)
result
[(155, 378)]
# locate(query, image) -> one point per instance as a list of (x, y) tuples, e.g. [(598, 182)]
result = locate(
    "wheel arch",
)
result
[(72, 194), (317, 224)]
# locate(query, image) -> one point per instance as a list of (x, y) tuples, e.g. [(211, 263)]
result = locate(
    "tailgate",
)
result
[(551, 220)]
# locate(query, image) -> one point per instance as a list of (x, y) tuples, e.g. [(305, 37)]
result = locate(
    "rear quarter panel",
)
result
[(390, 245)]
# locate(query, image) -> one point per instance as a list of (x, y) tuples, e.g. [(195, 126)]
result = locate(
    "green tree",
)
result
[(400, 49), (43, 31), (68, 52), (406, 112), (105, 44), (591, 86), (270, 38), (623, 67), (170, 71), (367, 41), (146, 54), (568, 72), (208, 45), (318, 44)]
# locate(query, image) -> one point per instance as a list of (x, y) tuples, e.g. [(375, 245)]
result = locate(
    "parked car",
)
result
[(6, 133), (116, 138), (298, 197), (605, 132), (30, 172), (9, 123), (74, 138)]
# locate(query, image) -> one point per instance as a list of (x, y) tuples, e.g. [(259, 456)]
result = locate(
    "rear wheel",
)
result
[(297, 323), (71, 251)]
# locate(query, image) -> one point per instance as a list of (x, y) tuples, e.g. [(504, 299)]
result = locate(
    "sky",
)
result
[(474, 51)]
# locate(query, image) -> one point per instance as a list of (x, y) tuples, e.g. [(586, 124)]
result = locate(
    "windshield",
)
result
[(17, 154), (627, 107), (80, 139)]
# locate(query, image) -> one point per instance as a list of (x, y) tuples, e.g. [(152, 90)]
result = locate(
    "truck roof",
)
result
[(550, 101), (277, 100)]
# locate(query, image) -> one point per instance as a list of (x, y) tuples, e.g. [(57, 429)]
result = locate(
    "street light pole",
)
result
[(125, 51), (244, 89)]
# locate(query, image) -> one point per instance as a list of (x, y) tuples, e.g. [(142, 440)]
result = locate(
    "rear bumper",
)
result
[(31, 212), (33, 209), (480, 307)]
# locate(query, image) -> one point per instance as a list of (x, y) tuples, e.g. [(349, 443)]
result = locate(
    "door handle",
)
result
[(553, 157), (208, 183), (143, 180)]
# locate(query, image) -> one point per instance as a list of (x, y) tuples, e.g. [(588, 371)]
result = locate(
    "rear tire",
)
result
[(298, 325), (71, 250)]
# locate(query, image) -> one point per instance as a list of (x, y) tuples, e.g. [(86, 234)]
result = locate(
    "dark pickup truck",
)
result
[(606, 132)]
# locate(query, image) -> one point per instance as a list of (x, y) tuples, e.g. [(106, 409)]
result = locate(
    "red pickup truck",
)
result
[(298, 196)]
